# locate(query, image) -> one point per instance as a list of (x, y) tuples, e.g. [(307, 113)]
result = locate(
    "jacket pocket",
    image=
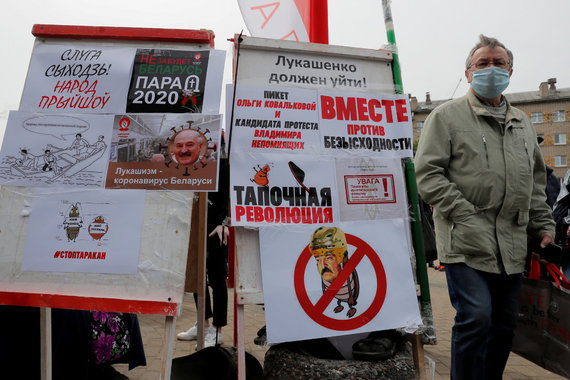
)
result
[(524, 155), (522, 217), (471, 234)]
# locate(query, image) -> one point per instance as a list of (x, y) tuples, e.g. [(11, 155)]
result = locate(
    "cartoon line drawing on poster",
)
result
[(57, 162), (98, 228), (73, 223), (54, 150), (367, 285), (329, 248), (163, 151)]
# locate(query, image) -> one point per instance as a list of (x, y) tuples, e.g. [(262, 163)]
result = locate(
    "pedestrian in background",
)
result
[(552, 182), (562, 218), (216, 261)]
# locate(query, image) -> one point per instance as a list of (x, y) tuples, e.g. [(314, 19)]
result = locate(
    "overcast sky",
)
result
[(433, 36)]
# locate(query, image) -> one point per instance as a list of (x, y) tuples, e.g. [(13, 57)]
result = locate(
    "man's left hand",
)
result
[(223, 232), (546, 239)]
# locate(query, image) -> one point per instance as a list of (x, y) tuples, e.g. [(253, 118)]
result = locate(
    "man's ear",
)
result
[(468, 75)]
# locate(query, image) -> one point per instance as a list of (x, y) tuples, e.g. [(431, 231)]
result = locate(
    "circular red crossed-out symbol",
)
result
[(316, 311)]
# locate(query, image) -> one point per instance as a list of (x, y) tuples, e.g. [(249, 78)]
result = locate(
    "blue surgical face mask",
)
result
[(490, 82)]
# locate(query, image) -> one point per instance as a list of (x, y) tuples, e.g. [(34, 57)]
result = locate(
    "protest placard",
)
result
[(55, 150), (362, 286), (99, 78), (175, 81), (67, 78), (270, 189), (165, 151), (84, 232), (370, 188), (310, 121)]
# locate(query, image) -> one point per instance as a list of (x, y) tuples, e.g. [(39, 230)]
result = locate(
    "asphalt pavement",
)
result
[(437, 356)]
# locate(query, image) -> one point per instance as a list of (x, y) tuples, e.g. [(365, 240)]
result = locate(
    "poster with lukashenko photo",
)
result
[(165, 152)]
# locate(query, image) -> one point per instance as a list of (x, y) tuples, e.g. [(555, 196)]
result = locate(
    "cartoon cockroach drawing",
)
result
[(73, 223)]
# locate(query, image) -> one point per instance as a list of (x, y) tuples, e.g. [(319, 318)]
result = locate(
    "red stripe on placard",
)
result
[(189, 36), (89, 303)]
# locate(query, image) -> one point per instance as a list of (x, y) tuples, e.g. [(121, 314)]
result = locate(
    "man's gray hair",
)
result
[(195, 133), (490, 42)]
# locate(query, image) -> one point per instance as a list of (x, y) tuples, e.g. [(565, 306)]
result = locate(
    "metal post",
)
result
[(398, 85), (416, 224), (417, 237)]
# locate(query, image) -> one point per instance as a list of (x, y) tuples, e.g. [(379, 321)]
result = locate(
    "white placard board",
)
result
[(118, 77), (160, 266), (84, 232), (144, 153), (92, 70), (319, 121), (298, 64), (299, 307), (371, 188), (271, 193), (77, 78), (276, 63)]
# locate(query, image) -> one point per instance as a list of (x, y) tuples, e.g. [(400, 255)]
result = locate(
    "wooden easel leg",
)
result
[(201, 315), (240, 341), (201, 268), (419, 359), (167, 347), (45, 342)]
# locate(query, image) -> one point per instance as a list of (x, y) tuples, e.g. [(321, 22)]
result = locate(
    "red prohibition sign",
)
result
[(316, 311)]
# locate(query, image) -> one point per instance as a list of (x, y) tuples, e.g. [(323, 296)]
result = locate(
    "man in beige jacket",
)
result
[(478, 164)]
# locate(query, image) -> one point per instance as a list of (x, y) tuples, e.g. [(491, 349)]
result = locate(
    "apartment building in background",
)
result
[(548, 109)]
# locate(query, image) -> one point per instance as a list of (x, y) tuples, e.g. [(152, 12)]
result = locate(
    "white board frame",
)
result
[(167, 269)]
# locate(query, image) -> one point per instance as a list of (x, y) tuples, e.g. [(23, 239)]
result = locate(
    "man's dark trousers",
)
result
[(487, 308)]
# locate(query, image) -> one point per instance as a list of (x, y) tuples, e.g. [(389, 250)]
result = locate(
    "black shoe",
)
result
[(106, 372), (261, 338), (379, 345)]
